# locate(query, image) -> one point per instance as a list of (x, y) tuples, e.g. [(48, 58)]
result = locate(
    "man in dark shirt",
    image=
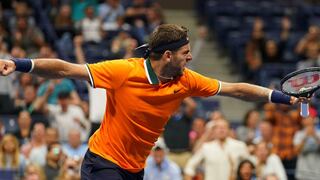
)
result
[(176, 134)]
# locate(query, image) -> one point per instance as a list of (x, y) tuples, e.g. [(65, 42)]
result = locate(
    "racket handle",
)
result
[(304, 112)]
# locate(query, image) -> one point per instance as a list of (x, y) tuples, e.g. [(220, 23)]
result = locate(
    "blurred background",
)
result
[(45, 124)]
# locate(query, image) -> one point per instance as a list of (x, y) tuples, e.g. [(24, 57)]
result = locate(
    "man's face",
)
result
[(262, 152), (74, 139), (24, 120), (265, 129), (159, 156), (39, 131), (51, 135), (29, 94), (221, 130), (178, 62), (64, 103)]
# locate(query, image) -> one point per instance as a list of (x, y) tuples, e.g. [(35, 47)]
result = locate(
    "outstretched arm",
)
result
[(49, 68), (250, 92)]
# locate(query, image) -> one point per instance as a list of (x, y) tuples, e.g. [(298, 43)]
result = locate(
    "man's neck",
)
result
[(75, 146), (222, 141), (157, 66)]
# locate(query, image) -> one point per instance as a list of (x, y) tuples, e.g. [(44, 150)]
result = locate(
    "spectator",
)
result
[(123, 44), (2, 129), (109, 11), (155, 17), (63, 22), (254, 51), (70, 170), (46, 51), (312, 54), (36, 150), (34, 171), (24, 131), (312, 37), (265, 129), (58, 85), (78, 50), (200, 41), (28, 37), (29, 96), (136, 13), (18, 52), (21, 9), (29, 103), (159, 167), (52, 136), (130, 48), (272, 52), (53, 7), (54, 160), (307, 144), (6, 94), (4, 39), (197, 130), (248, 131), (178, 143), (286, 28), (207, 136), (74, 148), (215, 115), (10, 157), (78, 8), (66, 116), (25, 80), (220, 156), (267, 162), (6, 84), (91, 26), (285, 123), (246, 170), (284, 50)]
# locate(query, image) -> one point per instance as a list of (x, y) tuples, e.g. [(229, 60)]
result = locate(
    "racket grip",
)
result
[(304, 112)]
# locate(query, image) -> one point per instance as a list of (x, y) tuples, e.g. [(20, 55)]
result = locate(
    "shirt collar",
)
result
[(151, 75)]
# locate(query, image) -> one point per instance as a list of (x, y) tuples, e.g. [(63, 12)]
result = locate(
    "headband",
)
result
[(170, 46), (162, 47)]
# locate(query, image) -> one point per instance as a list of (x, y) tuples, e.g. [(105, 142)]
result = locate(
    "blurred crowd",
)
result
[(273, 143), (45, 124)]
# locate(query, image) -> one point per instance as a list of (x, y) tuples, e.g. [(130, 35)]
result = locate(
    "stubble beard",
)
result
[(172, 70)]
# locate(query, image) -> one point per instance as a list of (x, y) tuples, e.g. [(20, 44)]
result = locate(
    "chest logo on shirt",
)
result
[(176, 91)]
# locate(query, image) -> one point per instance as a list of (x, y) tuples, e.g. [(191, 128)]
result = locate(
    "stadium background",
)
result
[(232, 40)]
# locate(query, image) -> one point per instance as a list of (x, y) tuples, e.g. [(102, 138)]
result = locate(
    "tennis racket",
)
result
[(302, 83)]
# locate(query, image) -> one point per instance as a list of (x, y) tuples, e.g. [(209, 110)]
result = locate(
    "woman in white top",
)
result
[(267, 162)]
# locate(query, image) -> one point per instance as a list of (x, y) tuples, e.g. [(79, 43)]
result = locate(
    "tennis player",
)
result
[(142, 93)]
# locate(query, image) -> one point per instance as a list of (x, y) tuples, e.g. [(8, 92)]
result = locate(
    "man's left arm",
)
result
[(205, 86), (250, 92)]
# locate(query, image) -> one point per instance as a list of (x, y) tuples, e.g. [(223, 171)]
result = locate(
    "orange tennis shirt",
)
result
[(138, 107)]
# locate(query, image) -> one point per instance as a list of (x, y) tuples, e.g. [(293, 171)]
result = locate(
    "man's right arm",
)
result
[(49, 68)]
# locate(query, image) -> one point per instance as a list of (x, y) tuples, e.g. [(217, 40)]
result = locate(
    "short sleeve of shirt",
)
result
[(201, 85), (108, 74)]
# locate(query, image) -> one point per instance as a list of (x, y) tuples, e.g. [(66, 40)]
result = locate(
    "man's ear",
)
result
[(167, 55)]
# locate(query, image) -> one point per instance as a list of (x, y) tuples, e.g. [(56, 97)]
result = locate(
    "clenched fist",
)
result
[(6, 67)]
